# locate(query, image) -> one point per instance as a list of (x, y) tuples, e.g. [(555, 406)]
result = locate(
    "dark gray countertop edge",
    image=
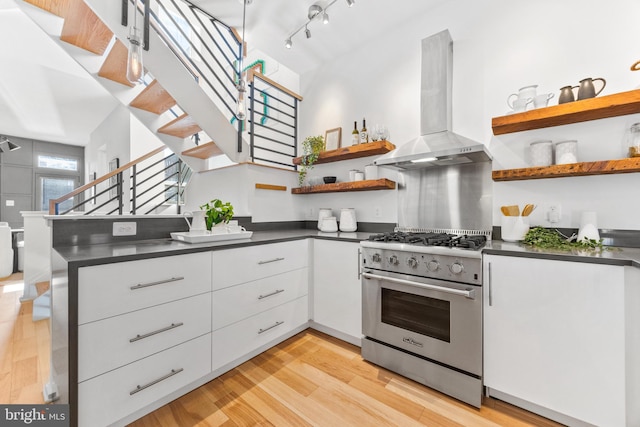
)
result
[(87, 255)]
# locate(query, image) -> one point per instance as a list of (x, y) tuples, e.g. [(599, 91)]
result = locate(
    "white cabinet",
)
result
[(259, 298), (141, 323), (554, 337), (337, 294)]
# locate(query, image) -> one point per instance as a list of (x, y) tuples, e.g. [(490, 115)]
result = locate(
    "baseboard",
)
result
[(357, 341)]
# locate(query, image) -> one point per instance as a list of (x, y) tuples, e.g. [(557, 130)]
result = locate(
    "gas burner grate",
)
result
[(432, 239)]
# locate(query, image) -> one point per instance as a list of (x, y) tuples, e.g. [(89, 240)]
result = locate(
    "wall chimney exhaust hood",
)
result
[(437, 145)]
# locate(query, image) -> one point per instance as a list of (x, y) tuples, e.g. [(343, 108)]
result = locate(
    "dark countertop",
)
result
[(610, 255), (84, 255)]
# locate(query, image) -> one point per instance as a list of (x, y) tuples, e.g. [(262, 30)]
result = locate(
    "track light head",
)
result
[(314, 11), (307, 32), (350, 2), (288, 43), (12, 146), (325, 18)]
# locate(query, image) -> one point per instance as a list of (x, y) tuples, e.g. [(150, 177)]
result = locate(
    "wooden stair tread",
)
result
[(57, 7), (203, 151), (115, 66), (181, 127), (84, 29), (154, 98)]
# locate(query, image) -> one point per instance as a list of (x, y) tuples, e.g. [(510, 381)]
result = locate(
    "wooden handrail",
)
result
[(53, 202), (252, 73)]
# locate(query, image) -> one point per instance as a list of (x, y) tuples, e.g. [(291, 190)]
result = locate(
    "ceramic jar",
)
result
[(322, 214), (348, 219)]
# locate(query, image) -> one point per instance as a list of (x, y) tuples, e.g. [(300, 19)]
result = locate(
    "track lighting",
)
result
[(316, 12), (12, 146)]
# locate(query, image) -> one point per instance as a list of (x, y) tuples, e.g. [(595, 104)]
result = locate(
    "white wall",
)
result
[(113, 134), (499, 46)]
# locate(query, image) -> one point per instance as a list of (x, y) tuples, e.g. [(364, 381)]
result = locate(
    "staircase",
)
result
[(189, 86)]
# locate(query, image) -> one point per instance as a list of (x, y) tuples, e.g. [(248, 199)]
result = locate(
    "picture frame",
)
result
[(333, 139), (113, 165)]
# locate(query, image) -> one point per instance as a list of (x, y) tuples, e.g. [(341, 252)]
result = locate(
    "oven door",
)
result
[(439, 320)]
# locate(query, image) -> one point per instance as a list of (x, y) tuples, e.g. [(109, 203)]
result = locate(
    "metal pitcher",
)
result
[(587, 88)]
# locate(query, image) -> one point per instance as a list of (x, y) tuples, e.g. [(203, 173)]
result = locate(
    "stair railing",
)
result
[(146, 182), (212, 50)]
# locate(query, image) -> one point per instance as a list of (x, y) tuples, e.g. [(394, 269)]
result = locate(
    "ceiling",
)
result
[(46, 95), (270, 22)]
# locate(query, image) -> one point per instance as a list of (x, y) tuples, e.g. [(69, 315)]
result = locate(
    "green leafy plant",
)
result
[(312, 146), (216, 212), (541, 237)]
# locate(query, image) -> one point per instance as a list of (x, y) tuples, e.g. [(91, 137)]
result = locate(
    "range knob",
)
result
[(412, 262), (393, 260), (376, 258), (456, 268), (433, 265)]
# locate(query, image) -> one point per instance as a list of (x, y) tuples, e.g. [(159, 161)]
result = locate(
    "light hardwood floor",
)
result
[(24, 345), (311, 379), (316, 380)]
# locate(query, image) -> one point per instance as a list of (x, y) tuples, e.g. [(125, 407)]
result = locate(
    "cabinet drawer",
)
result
[(112, 289), (241, 301), (237, 340), (106, 399), (234, 266), (106, 344)]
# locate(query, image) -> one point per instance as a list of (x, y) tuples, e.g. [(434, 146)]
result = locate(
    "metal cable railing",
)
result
[(212, 51), (152, 181)]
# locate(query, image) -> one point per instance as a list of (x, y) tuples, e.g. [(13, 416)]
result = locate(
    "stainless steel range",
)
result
[(422, 286), (422, 309)]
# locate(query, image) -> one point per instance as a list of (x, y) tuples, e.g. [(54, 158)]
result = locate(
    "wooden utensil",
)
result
[(528, 209), (504, 210), (514, 210)]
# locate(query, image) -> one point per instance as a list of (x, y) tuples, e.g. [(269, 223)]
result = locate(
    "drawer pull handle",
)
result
[(154, 382), (159, 282), (270, 327), (270, 260), (147, 335), (276, 292)]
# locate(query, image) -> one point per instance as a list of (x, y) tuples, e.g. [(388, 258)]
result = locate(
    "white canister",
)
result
[(322, 214), (541, 153), (588, 226), (348, 219), (329, 224), (352, 174), (359, 176), (371, 172), (566, 152)]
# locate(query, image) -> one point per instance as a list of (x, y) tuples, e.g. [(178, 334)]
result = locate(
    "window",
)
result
[(57, 162), (54, 187)]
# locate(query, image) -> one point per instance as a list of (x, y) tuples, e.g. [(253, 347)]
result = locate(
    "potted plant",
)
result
[(217, 212), (312, 146)]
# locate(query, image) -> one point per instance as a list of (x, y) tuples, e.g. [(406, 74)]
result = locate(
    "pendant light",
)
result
[(134, 59), (241, 107)]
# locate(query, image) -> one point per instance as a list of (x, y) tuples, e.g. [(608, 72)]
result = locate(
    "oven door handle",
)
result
[(470, 293)]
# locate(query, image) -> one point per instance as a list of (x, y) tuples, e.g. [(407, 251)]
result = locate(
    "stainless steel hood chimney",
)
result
[(437, 145)]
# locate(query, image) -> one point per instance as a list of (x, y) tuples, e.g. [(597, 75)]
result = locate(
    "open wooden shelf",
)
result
[(339, 187), (352, 152), (618, 104), (602, 167)]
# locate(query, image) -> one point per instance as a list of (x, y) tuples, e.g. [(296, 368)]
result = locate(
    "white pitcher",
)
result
[(197, 222)]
